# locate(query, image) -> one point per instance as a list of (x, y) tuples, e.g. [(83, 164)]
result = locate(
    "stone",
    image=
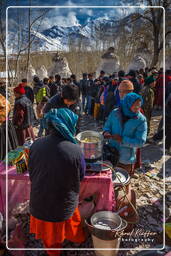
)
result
[(109, 62), (31, 73), (60, 66), (42, 72), (137, 63)]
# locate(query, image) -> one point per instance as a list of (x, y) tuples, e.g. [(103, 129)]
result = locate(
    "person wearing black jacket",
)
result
[(50, 83), (28, 90), (37, 84), (67, 99), (90, 92), (83, 89), (23, 116), (56, 167), (134, 80), (55, 87), (74, 81)]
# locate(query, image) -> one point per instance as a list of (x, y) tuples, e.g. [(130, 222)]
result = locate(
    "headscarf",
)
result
[(128, 101), (149, 80), (64, 121), (19, 89)]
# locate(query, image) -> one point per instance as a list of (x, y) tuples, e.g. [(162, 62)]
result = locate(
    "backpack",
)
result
[(42, 92)]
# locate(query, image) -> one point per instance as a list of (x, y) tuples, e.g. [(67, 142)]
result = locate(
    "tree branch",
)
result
[(152, 11), (146, 18), (161, 44), (40, 16)]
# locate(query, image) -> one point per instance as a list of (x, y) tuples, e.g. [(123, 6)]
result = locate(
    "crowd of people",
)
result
[(122, 103), (97, 97)]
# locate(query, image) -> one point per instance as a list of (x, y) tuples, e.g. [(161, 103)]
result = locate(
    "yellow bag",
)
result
[(96, 110), (168, 229)]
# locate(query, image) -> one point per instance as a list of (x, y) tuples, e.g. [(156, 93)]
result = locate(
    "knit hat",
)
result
[(149, 80), (19, 89), (126, 84)]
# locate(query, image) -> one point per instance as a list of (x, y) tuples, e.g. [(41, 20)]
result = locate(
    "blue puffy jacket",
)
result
[(133, 133)]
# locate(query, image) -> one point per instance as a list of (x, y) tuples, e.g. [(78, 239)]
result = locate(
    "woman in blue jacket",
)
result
[(126, 129)]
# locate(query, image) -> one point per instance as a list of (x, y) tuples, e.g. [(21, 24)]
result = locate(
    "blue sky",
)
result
[(72, 16)]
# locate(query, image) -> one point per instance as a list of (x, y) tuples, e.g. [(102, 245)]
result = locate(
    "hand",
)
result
[(107, 135), (117, 137)]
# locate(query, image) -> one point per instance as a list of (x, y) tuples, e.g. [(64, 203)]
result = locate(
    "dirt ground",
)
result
[(148, 184)]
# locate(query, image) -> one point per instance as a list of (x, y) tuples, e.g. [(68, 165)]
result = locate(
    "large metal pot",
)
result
[(112, 221), (106, 234), (91, 143)]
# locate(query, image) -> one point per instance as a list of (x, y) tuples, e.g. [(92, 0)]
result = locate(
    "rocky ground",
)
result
[(149, 186)]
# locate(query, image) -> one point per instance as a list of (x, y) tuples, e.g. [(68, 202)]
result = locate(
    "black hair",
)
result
[(45, 80), (132, 73), (36, 79), (24, 80), (84, 74), (73, 76), (70, 92), (58, 77), (102, 72), (51, 77), (121, 73)]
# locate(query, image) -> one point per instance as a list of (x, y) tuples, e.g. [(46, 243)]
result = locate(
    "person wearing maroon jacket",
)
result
[(158, 103), (23, 116)]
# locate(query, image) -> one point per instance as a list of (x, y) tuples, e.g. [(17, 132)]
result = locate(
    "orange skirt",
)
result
[(57, 232)]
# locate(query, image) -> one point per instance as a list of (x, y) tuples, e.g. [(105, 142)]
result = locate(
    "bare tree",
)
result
[(155, 17), (22, 49)]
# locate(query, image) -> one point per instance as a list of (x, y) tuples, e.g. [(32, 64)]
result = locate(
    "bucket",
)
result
[(98, 243), (105, 224), (106, 244)]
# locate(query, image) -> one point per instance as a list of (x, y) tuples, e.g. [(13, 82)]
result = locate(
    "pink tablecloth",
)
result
[(98, 185)]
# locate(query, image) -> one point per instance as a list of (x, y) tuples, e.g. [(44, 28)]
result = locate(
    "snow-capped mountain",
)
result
[(62, 38)]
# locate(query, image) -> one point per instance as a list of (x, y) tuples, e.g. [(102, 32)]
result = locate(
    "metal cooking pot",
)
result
[(92, 150), (106, 218), (106, 234)]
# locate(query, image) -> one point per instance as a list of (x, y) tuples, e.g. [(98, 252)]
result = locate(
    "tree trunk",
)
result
[(156, 49), (29, 38), (155, 59)]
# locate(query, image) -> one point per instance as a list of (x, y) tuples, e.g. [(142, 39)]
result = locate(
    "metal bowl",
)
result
[(91, 150), (106, 234), (123, 175), (106, 221)]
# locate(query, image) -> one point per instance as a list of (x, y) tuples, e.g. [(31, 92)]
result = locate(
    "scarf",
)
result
[(64, 121), (127, 102)]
